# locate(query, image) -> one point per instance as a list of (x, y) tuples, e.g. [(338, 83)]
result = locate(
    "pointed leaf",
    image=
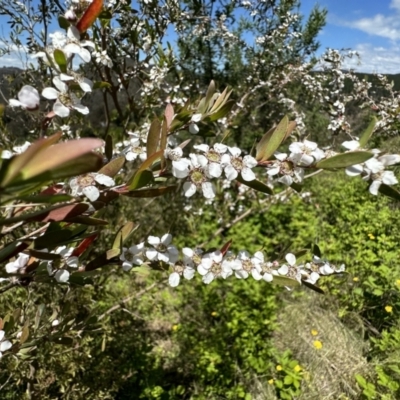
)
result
[(82, 247), (108, 147), (270, 142), (113, 167), (20, 161), (61, 60), (160, 191), (12, 250), (43, 255), (84, 220), (344, 160), (389, 191), (285, 281), (141, 179), (112, 253), (90, 15), (256, 185), (210, 93), (224, 110), (123, 234), (368, 132), (63, 22), (220, 100), (316, 250), (225, 247), (169, 115), (153, 138), (24, 334), (52, 239), (313, 287), (291, 127)]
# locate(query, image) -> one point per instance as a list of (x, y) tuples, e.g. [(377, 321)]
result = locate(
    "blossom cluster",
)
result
[(219, 264)]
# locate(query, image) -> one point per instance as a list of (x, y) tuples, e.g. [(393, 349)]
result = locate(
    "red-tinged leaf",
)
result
[(225, 247), (154, 192), (82, 247), (81, 219), (43, 255), (90, 15), (153, 138), (169, 115), (163, 141), (113, 167), (56, 213), (150, 160), (20, 161), (57, 155)]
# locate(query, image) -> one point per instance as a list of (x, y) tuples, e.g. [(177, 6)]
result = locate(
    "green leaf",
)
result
[(141, 179), (153, 138), (11, 250), (24, 334), (113, 167), (389, 191), (270, 142), (61, 60), (256, 185), (101, 85), (90, 221), (288, 380), (313, 287), (51, 239), (112, 253), (210, 93), (224, 110), (63, 23), (123, 234), (368, 132), (285, 281), (39, 313), (46, 198), (344, 160)]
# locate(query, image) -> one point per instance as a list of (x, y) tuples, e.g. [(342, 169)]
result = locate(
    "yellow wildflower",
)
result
[(271, 381), (355, 279), (314, 332), (371, 236), (175, 327), (297, 368), (279, 367), (214, 313), (398, 282), (389, 309), (317, 344)]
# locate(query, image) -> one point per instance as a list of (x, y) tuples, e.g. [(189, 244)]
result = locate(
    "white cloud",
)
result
[(379, 25), (375, 59)]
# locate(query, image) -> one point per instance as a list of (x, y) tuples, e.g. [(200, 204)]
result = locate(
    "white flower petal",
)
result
[(91, 192), (62, 276), (104, 180), (174, 279), (50, 93), (189, 189)]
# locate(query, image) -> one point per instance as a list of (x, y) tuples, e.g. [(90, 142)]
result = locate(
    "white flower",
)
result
[(285, 167), (103, 58), (28, 98), (135, 150), (86, 185), (180, 269), (85, 84), (195, 170), (291, 270), (66, 253), (4, 344), (211, 267), (162, 249), (264, 270), (62, 276), (193, 128), (235, 164), (64, 100), (305, 153), (77, 46), (351, 145), (132, 256), (214, 156), (14, 266)]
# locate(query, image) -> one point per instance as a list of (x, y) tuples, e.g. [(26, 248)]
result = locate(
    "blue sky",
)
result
[(371, 27)]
